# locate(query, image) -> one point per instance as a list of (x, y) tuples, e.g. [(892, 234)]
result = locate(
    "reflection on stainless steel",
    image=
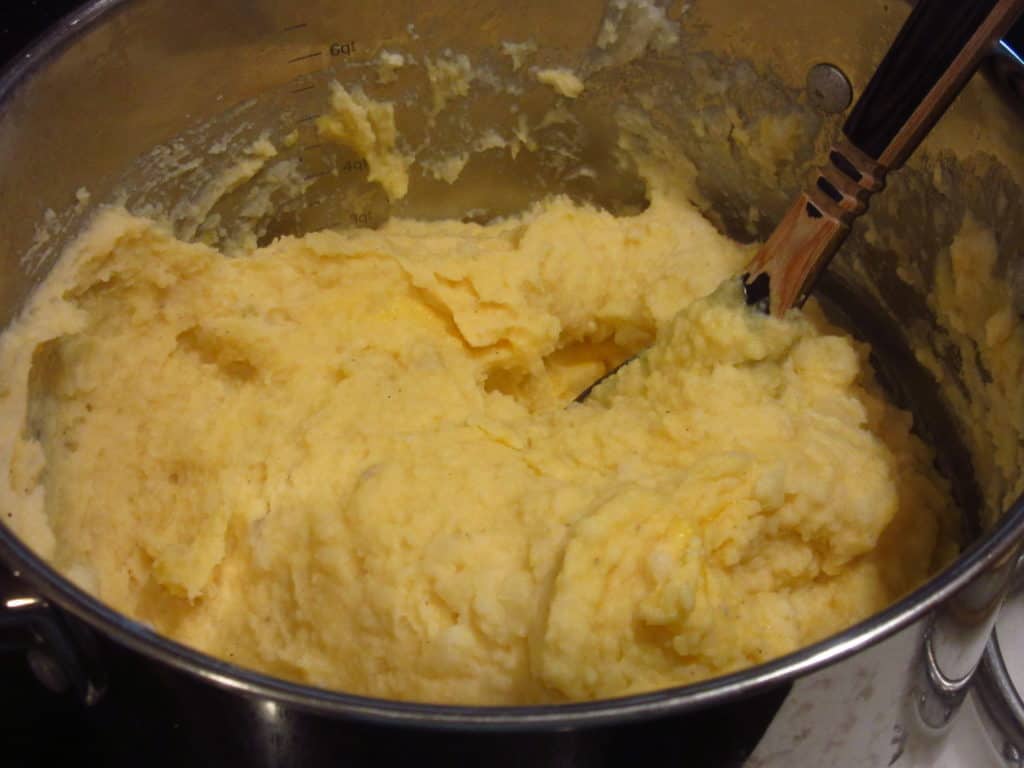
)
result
[(270, 711), (273, 731), (1008, 62), (1002, 701), (955, 643), (21, 602), (60, 654), (1003, 704), (196, 68), (47, 670)]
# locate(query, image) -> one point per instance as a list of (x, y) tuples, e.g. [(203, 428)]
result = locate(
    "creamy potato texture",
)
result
[(352, 459)]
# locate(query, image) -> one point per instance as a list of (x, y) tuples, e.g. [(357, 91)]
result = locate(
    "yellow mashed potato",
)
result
[(351, 459)]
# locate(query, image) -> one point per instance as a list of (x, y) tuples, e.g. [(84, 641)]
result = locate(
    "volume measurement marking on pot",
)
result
[(313, 63), (309, 66), (309, 153), (336, 48), (305, 57)]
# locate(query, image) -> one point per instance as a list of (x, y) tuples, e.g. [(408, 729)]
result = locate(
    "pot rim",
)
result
[(990, 549)]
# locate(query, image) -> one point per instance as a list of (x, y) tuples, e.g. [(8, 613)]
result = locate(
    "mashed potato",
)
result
[(352, 459)]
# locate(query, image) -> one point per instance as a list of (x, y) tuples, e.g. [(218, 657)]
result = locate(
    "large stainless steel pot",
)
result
[(121, 94)]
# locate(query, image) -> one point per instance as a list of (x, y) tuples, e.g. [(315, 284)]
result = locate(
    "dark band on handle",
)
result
[(934, 54)]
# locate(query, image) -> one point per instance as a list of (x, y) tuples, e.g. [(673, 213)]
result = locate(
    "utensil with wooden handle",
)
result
[(939, 47)]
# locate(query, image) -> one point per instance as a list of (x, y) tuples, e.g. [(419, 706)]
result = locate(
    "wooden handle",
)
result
[(935, 53), (811, 238), (937, 50)]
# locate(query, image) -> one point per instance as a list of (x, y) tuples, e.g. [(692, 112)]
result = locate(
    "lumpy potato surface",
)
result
[(353, 460)]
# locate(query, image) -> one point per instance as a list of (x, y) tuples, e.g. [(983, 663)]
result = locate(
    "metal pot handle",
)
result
[(955, 641), (1002, 703), (62, 653)]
